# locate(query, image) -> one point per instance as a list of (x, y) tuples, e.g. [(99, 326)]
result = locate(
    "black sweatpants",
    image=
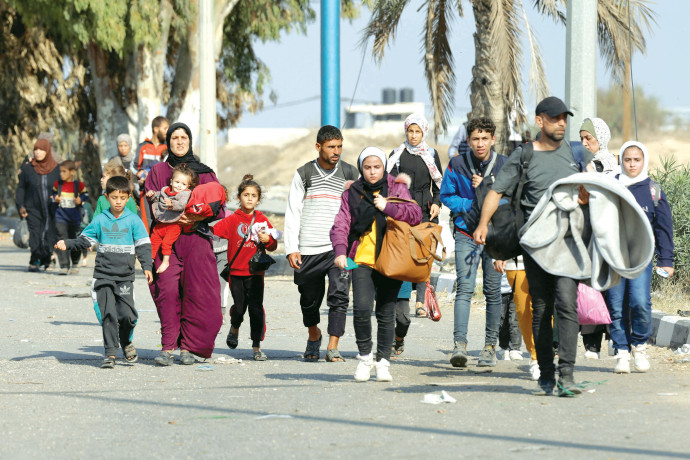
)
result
[(509, 337), (310, 281), (40, 239), (248, 293), (68, 231), (368, 286), (114, 307)]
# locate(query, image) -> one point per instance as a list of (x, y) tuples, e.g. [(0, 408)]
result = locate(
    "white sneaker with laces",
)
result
[(623, 362), (383, 373), (363, 371), (591, 355), (640, 361), (515, 355), (534, 369)]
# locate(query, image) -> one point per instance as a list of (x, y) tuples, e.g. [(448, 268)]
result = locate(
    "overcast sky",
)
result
[(295, 64)]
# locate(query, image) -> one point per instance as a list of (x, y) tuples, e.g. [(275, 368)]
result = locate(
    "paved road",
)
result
[(56, 402)]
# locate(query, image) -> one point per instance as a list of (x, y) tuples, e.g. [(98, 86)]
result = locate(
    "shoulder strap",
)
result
[(525, 158), (305, 172), (468, 162), (59, 191), (655, 189), (246, 235), (349, 171), (490, 167)]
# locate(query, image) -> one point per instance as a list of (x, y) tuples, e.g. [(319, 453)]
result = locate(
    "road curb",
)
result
[(669, 330)]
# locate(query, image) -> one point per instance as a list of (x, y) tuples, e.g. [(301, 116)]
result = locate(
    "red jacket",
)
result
[(233, 228)]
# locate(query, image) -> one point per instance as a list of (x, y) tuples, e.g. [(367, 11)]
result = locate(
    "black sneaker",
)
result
[(164, 358), (545, 387), (232, 340), (487, 358), (459, 356), (567, 386)]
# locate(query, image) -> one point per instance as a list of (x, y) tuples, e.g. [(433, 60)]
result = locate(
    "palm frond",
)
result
[(615, 37), (438, 62), (538, 84), (383, 25), (506, 50), (551, 9)]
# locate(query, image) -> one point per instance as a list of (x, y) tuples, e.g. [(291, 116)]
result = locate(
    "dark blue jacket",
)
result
[(659, 217), (456, 189)]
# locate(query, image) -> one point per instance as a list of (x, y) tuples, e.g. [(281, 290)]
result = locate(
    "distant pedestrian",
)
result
[(121, 235), (313, 203), (149, 153), (36, 178), (246, 229), (358, 233), (69, 195), (630, 301)]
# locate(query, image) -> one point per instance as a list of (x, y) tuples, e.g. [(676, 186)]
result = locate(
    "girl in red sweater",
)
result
[(244, 230)]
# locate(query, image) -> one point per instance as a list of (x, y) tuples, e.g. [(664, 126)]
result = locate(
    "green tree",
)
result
[(650, 114), (495, 88)]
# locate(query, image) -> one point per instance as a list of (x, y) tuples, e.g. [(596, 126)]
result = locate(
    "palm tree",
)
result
[(495, 88)]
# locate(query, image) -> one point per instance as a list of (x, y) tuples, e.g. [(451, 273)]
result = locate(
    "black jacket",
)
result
[(423, 189), (33, 188)]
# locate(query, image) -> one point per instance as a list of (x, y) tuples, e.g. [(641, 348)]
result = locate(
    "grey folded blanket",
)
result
[(615, 240)]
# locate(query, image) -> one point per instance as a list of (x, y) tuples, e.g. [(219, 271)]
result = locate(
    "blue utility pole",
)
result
[(330, 62)]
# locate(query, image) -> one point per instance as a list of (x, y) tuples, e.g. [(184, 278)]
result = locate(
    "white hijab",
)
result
[(625, 179), (602, 133), (425, 152)]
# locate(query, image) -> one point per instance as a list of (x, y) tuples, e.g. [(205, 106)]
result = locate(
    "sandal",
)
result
[(421, 312), (130, 353), (233, 339), (398, 347), (313, 350), (108, 363), (334, 356), (260, 356)]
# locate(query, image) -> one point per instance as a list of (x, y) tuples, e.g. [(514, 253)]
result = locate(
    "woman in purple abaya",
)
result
[(187, 294)]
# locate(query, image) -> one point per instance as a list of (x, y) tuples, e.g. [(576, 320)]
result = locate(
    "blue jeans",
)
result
[(630, 307), (467, 258)]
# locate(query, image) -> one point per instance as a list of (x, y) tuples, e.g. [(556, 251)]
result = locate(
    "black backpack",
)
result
[(502, 238)]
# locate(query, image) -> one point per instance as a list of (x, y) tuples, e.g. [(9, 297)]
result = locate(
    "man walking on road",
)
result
[(313, 202), (149, 153), (552, 160)]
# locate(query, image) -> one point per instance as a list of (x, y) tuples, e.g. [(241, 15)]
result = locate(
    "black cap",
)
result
[(552, 106)]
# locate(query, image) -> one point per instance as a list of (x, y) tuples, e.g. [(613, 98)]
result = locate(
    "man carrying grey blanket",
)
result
[(552, 160)]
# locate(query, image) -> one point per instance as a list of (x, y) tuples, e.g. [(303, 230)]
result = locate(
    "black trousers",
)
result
[(248, 294), (41, 238), (368, 286), (402, 317), (509, 337), (114, 307), (67, 231), (553, 293), (310, 281)]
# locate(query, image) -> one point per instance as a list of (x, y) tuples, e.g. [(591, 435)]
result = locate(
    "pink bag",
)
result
[(591, 308), (433, 312)]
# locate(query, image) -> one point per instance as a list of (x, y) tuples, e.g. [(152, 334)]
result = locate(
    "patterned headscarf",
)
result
[(600, 130), (422, 149), (623, 178)]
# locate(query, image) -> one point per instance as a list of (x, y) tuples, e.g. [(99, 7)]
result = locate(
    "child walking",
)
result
[(168, 205), (103, 203), (69, 195), (630, 301), (121, 235), (245, 229)]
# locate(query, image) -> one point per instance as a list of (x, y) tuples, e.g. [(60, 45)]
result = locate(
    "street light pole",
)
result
[(330, 62), (207, 86), (580, 63)]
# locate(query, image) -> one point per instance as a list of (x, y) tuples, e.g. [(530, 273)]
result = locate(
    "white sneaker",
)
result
[(366, 364), (591, 355), (515, 355), (506, 354), (623, 362), (640, 360), (534, 369), (383, 373)]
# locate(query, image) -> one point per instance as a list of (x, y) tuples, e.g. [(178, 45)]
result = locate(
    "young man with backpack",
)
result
[(465, 173), (313, 202), (551, 160)]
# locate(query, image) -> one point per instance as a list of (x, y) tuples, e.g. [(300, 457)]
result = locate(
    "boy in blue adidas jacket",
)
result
[(465, 173), (121, 234)]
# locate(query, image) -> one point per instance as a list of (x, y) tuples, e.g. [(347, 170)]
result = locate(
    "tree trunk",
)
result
[(111, 120), (486, 88)]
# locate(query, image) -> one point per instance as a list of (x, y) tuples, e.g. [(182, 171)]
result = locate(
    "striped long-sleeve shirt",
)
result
[(309, 216)]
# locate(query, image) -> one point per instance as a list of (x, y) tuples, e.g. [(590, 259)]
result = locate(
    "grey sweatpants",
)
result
[(114, 308)]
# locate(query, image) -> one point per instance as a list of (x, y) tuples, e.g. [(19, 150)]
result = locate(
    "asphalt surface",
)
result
[(56, 402)]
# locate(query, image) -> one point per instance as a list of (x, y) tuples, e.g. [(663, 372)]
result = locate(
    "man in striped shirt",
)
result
[(313, 202)]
